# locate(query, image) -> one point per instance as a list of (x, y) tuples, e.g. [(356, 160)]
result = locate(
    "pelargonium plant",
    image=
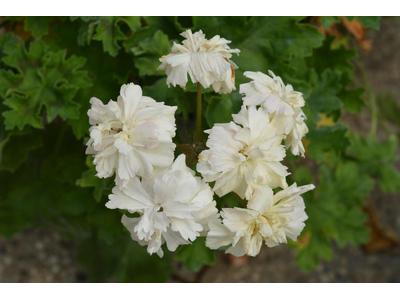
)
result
[(163, 199)]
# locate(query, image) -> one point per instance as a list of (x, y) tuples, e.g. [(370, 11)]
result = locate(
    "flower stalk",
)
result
[(197, 136)]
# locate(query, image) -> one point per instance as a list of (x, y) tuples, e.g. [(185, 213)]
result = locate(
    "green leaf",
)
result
[(303, 176), (15, 150), (389, 179), (172, 96), (150, 50), (39, 26), (352, 99), (221, 108), (88, 179), (109, 32), (112, 218), (196, 255), (389, 109), (44, 80), (169, 25), (324, 95), (76, 201), (367, 21), (334, 59), (84, 18), (327, 21), (317, 249), (376, 159), (266, 43), (7, 39), (334, 211), (325, 139)]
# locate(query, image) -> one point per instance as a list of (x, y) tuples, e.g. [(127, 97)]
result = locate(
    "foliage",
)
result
[(47, 79)]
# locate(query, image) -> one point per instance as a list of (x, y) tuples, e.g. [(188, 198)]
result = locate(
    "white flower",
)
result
[(206, 61), (270, 219), (271, 93), (174, 207), (130, 136), (294, 128), (242, 156)]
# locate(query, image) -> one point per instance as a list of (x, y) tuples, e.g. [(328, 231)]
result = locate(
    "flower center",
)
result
[(122, 133), (243, 152)]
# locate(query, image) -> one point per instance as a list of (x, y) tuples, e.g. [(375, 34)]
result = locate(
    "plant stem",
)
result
[(240, 199), (371, 97), (198, 133)]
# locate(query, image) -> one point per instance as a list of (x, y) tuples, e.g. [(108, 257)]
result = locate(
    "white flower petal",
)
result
[(205, 61)]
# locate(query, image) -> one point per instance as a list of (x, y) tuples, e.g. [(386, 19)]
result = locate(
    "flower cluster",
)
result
[(268, 218), (244, 157), (132, 138)]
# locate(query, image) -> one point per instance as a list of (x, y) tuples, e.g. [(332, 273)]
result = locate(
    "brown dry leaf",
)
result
[(356, 28), (381, 238), (17, 26)]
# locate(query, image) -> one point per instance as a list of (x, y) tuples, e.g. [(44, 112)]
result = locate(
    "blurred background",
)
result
[(43, 253)]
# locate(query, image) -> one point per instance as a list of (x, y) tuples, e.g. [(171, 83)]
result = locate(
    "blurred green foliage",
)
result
[(50, 71)]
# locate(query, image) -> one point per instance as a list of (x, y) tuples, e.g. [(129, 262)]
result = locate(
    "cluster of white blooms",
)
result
[(206, 61), (269, 218), (244, 157), (132, 138), (282, 102)]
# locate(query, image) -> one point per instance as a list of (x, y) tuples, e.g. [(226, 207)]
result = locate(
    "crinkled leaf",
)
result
[(334, 211), (334, 59), (109, 32), (39, 26), (376, 159), (8, 38), (266, 43), (325, 139), (149, 51), (44, 80), (352, 99), (324, 95)]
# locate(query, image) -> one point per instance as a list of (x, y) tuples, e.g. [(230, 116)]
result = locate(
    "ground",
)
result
[(39, 255)]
